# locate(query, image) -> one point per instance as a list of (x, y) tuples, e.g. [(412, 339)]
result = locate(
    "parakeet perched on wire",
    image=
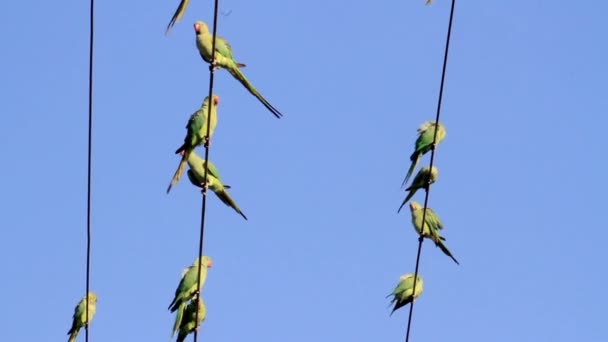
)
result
[(196, 175), (189, 322), (187, 289), (196, 134), (79, 319), (177, 16), (224, 59), (423, 178), (404, 293), (432, 225), (424, 143)]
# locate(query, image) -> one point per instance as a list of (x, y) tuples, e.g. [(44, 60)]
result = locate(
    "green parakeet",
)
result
[(186, 289), (420, 182), (424, 143), (196, 175), (404, 293), (224, 59), (432, 225), (189, 322), (179, 13), (79, 319), (196, 133)]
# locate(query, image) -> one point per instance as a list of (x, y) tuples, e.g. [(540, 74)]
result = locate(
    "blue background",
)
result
[(521, 186)]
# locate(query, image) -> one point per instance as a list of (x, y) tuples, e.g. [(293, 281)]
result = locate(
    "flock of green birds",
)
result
[(200, 128), (426, 222)]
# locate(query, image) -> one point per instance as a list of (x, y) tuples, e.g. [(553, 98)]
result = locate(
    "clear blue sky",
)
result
[(521, 188)]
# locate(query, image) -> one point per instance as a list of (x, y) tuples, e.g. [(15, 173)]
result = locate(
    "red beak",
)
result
[(196, 28), (216, 100), (210, 264)]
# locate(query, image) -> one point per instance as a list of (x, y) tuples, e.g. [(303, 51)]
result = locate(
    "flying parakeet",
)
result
[(421, 180), (179, 13), (404, 293), (432, 225), (196, 133), (189, 322), (186, 289), (424, 143), (196, 175), (224, 59), (79, 319)]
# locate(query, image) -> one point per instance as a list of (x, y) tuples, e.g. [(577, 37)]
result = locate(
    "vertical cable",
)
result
[(426, 196), (207, 148), (89, 159)]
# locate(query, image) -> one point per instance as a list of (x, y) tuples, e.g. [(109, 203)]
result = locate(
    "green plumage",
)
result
[(189, 322), (423, 178), (404, 293), (195, 134), (177, 16), (431, 228), (424, 143), (196, 175), (187, 287), (79, 318), (224, 59)]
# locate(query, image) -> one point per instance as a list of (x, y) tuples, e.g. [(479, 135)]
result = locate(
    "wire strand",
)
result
[(207, 148), (89, 159), (426, 195)]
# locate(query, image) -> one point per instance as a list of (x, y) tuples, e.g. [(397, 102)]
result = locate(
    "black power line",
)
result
[(426, 195), (89, 158), (207, 147)]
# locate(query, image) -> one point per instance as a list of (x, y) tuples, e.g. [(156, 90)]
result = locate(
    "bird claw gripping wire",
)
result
[(204, 187), (207, 142), (213, 66)]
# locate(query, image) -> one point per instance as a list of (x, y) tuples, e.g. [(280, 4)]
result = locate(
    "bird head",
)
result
[(414, 205), (200, 27)]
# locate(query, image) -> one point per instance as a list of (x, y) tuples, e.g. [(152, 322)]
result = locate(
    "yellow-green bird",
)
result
[(177, 16), (404, 293), (196, 174), (187, 288), (422, 180), (432, 225), (189, 322), (224, 59), (196, 134), (79, 319), (424, 143)]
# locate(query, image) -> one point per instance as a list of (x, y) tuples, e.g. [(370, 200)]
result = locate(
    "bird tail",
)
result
[(177, 16), (181, 337), (399, 305), (414, 159), (180, 168), (227, 200), (178, 319), (236, 73), (73, 334), (445, 250), (408, 197)]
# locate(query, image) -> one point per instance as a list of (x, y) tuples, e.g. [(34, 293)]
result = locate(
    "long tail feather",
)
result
[(446, 251), (177, 16), (414, 159), (73, 335), (178, 172), (227, 200), (179, 315), (236, 73), (407, 198)]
